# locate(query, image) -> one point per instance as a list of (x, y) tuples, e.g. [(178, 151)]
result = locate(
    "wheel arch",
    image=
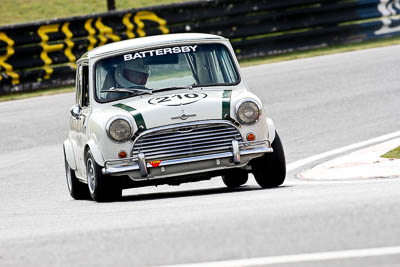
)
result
[(96, 152), (271, 130), (69, 154)]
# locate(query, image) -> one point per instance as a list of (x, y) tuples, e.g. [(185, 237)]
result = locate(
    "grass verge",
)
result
[(18, 11), (246, 62), (392, 154)]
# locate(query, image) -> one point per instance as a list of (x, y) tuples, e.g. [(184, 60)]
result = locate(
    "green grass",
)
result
[(18, 11), (393, 154)]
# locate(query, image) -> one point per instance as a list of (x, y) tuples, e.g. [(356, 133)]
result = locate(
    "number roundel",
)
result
[(177, 99)]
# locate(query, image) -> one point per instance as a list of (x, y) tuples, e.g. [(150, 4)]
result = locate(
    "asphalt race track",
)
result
[(318, 104)]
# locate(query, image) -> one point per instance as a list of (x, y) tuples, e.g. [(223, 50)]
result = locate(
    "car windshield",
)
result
[(167, 68)]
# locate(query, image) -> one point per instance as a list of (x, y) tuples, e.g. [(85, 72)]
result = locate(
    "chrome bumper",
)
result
[(125, 166)]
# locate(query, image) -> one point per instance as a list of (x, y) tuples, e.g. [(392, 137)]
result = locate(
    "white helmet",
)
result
[(131, 73)]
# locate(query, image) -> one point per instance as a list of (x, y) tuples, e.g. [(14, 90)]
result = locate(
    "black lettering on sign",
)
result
[(177, 99)]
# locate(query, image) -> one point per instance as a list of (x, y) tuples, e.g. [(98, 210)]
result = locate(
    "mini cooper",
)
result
[(166, 109)]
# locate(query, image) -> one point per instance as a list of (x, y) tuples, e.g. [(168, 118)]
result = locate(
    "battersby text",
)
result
[(161, 52)]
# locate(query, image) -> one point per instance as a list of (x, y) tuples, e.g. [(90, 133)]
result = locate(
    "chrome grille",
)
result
[(186, 140)]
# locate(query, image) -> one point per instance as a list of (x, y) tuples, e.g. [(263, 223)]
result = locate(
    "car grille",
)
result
[(187, 140)]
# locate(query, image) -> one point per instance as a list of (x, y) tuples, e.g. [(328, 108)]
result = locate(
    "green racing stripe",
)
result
[(136, 115), (226, 104)]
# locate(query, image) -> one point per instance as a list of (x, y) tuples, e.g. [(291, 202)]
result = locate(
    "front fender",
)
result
[(69, 154), (96, 152)]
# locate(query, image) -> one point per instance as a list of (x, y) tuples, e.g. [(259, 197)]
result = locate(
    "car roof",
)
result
[(156, 40)]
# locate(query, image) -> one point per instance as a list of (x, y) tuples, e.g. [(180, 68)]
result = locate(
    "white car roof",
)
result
[(156, 40)]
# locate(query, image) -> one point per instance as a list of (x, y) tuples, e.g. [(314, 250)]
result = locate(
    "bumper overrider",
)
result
[(138, 168)]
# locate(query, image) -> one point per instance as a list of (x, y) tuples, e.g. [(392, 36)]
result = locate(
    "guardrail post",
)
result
[(111, 5)]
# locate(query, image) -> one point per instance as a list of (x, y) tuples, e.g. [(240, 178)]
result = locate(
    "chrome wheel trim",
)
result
[(91, 176)]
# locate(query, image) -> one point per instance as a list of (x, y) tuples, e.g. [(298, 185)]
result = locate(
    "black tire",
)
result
[(77, 189), (235, 177), (101, 187), (270, 169)]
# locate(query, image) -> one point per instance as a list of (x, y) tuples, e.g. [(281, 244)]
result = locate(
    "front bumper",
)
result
[(138, 169)]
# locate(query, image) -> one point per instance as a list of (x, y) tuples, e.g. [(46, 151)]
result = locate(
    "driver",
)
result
[(131, 73), (127, 74)]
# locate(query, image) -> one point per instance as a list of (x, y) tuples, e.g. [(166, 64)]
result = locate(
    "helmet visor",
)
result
[(136, 77)]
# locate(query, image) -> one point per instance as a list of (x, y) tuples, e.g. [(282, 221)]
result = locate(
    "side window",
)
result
[(82, 90), (85, 86)]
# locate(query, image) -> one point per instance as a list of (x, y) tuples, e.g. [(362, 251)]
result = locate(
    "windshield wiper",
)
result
[(131, 90), (176, 88)]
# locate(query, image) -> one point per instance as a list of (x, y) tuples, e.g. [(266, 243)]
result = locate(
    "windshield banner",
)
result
[(161, 52)]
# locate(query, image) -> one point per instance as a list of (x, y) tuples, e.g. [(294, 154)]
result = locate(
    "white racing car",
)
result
[(166, 109)]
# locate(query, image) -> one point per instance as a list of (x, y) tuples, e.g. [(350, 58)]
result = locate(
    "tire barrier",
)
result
[(43, 54)]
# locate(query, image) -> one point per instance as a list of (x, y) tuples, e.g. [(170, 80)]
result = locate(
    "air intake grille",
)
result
[(185, 141)]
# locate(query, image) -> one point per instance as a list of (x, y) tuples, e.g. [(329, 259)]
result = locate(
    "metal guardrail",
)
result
[(43, 54)]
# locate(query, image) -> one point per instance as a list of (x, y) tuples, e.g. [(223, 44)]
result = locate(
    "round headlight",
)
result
[(119, 130), (247, 112)]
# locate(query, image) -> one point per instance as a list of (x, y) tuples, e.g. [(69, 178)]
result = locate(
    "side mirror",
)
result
[(76, 111)]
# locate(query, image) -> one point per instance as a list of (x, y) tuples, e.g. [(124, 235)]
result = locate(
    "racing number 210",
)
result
[(164, 99), (177, 99)]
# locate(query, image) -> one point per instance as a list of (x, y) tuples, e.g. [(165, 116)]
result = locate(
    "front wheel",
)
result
[(270, 169), (101, 187)]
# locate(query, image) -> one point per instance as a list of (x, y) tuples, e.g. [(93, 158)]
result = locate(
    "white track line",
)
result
[(297, 258), (297, 164), (318, 256)]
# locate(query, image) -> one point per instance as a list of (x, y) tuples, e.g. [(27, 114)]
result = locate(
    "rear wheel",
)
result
[(235, 178), (77, 190), (101, 187), (270, 169)]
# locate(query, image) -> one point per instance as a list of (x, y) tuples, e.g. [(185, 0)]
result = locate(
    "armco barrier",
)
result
[(42, 54)]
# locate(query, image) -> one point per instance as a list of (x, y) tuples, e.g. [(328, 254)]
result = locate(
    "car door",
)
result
[(82, 122), (75, 119)]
